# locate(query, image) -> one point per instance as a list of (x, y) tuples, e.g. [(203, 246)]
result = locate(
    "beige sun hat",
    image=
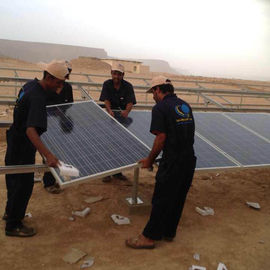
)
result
[(118, 67), (158, 80), (57, 68)]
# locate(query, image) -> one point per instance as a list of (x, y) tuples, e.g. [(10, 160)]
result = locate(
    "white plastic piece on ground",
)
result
[(87, 263), (206, 211), (29, 215), (196, 267), (253, 205), (82, 213), (196, 256), (68, 170), (221, 266), (71, 218), (130, 200), (120, 220)]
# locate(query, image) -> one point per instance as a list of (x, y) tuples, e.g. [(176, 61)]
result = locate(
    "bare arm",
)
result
[(127, 110), (33, 136), (156, 149), (108, 107)]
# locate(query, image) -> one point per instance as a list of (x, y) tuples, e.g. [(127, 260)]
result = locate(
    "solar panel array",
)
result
[(220, 142), (83, 135)]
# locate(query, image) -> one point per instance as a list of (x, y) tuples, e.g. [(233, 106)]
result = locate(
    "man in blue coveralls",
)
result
[(173, 124), (23, 139)]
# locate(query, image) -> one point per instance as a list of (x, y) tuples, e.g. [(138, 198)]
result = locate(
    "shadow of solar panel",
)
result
[(83, 135), (207, 156), (238, 142), (259, 122)]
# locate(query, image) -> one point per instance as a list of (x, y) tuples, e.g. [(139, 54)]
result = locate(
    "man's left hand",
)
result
[(146, 163), (124, 113)]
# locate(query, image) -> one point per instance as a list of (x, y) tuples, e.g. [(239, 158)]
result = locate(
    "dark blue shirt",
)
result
[(30, 111), (65, 96), (119, 98), (174, 117)]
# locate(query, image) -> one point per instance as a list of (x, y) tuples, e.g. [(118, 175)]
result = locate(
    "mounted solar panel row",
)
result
[(83, 135), (219, 141), (238, 142)]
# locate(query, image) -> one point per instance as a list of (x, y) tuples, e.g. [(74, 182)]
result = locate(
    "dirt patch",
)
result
[(236, 235)]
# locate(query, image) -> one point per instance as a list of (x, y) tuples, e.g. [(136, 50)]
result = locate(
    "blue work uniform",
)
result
[(30, 111), (119, 98), (174, 117), (65, 96)]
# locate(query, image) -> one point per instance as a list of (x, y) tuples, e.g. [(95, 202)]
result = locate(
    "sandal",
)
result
[(21, 231), (136, 243)]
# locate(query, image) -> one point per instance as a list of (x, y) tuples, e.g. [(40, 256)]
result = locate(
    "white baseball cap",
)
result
[(57, 68), (158, 80), (118, 67)]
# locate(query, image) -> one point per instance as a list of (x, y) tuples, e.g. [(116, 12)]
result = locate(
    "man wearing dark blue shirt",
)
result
[(173, 124), (63, 95), (117, 94), (23, 139)]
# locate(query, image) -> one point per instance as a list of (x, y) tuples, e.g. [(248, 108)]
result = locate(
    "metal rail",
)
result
[(147, 79), (142, 87)]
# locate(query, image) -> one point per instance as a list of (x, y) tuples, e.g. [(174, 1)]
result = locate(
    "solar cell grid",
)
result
[(207, 156), (83, 135), (259, 122), (241, 144)]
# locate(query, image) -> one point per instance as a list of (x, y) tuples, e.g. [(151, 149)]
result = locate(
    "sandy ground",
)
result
[(236, 235)]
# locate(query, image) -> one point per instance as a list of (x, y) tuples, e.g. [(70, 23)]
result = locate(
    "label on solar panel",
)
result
[(83, 135)]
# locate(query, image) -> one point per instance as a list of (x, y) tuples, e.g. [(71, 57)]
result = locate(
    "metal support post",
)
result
[(135, 186)]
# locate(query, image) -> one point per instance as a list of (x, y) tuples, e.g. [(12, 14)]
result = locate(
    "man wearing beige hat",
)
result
[(64, 95), (173, 124), (23, 139), (117, 94)]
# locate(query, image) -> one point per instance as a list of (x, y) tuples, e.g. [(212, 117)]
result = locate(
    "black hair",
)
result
[(166, 88), (46, 73)]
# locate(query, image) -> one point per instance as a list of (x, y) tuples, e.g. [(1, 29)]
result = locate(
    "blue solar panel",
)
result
[(83, 135), (139, 122), (208, 157), (258, 122), (241, 144)]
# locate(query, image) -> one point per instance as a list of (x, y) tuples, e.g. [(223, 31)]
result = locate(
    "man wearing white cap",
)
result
[(117, 94), (173, 124), (64, 95), (23, 139)]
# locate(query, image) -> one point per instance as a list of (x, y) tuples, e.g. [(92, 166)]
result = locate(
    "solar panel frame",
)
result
[(107, 172)]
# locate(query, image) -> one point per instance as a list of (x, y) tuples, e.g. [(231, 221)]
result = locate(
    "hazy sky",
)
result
[(206, 37)]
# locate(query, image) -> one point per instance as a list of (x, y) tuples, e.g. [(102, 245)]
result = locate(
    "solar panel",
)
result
[(138, 122), (259, 122), (241, 144), (208, 156), (83, 135)]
